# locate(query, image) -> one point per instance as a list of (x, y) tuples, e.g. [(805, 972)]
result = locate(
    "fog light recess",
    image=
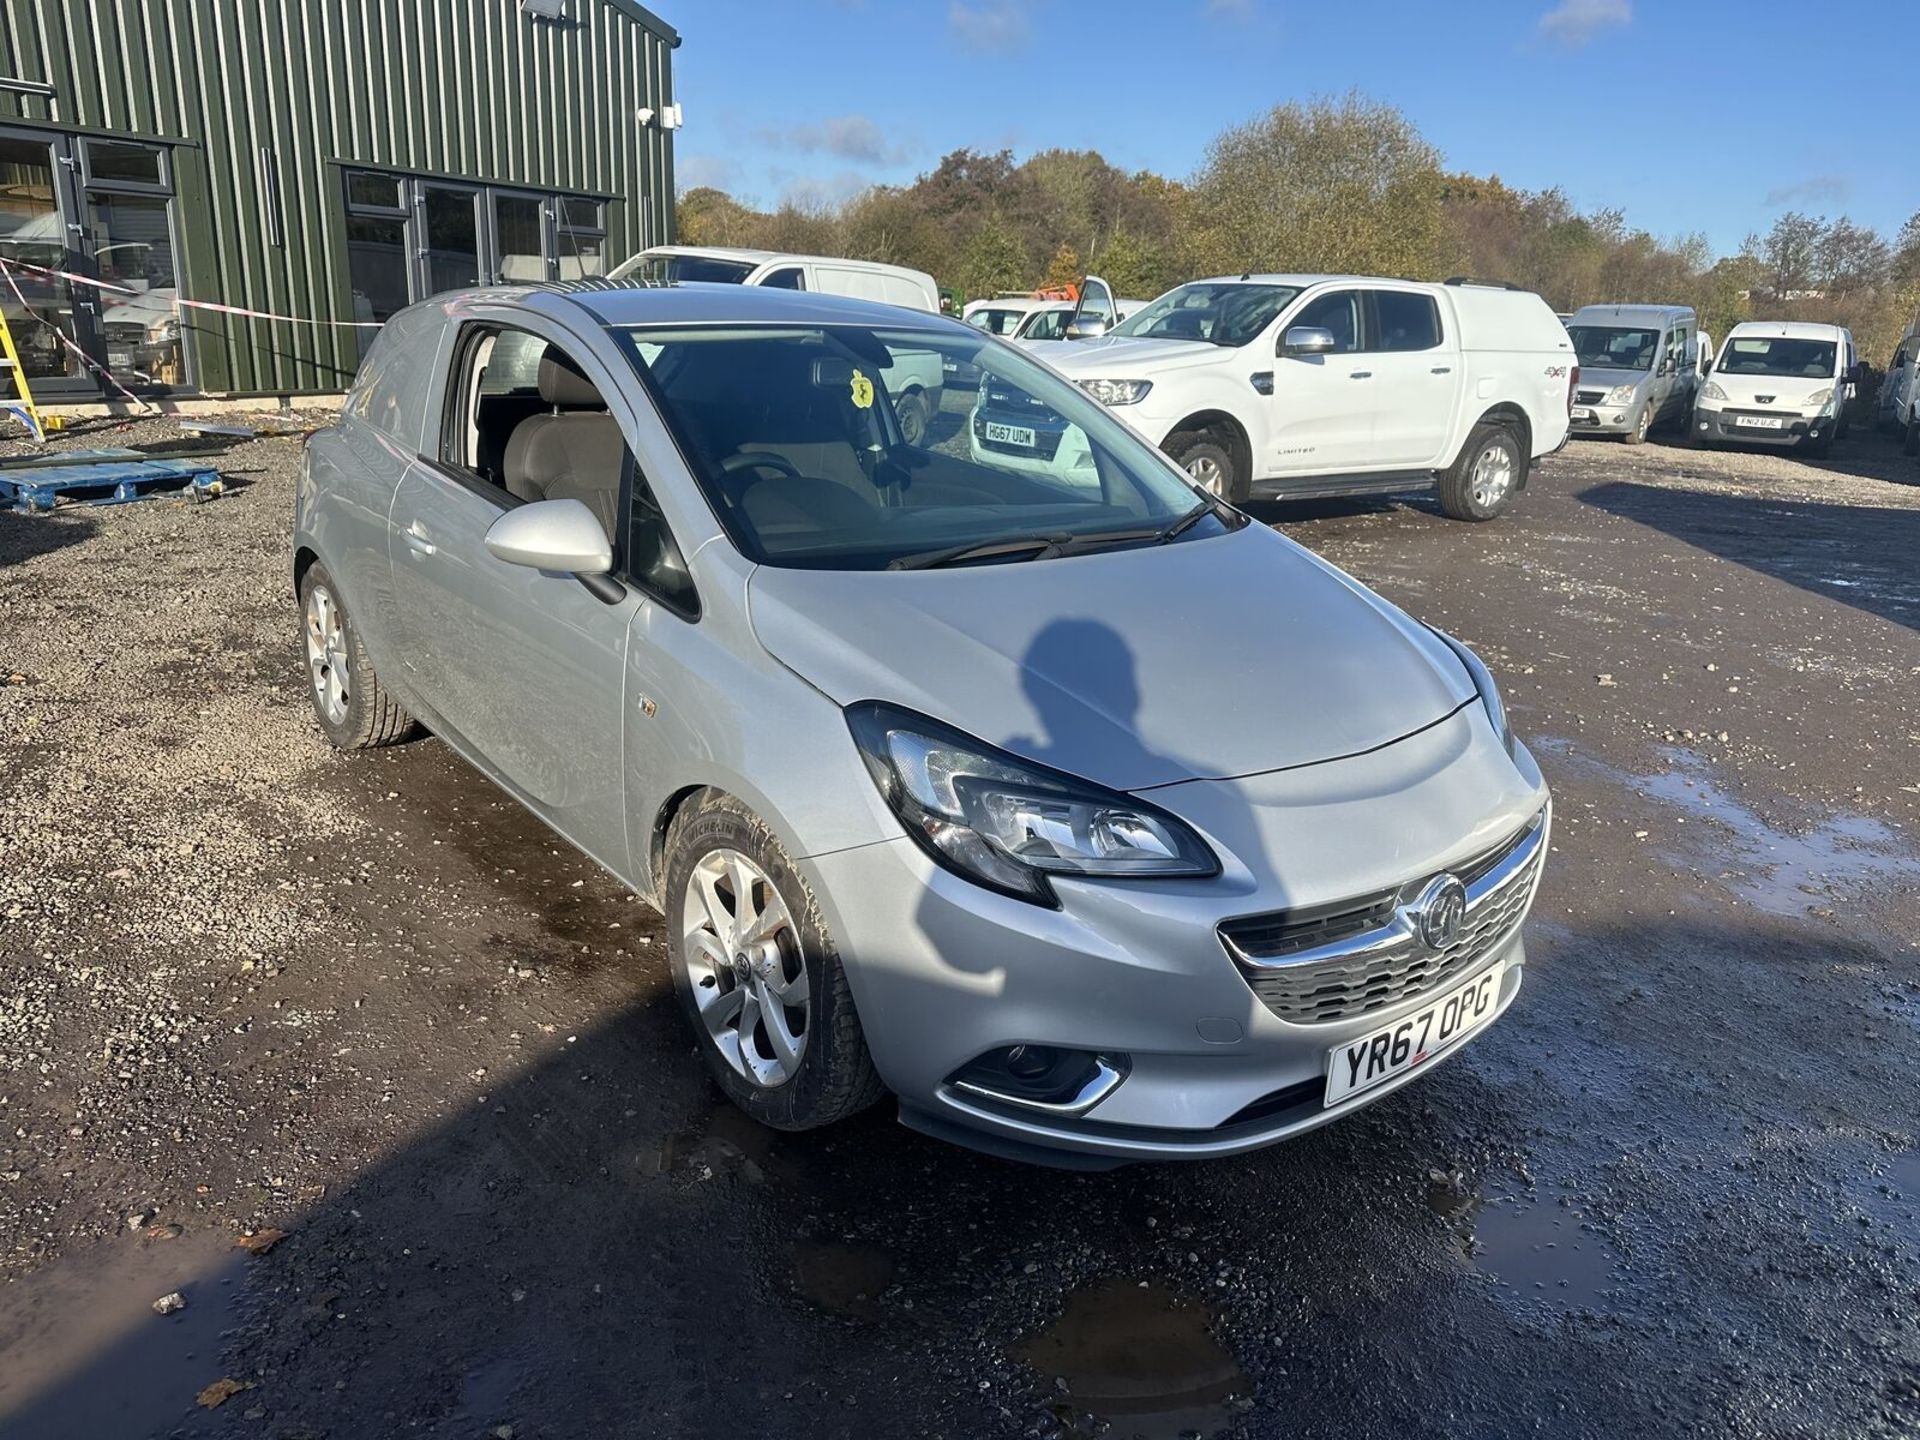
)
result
[(1042, 1077)]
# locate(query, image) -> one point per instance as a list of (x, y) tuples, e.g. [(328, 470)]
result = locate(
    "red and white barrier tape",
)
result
[(6, 267), (75, 279)]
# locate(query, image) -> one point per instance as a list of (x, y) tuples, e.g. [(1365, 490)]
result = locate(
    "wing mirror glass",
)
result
[(558, 535), (1308, 340), (1086, 327)]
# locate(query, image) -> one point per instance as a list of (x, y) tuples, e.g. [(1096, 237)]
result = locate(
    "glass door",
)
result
[(450, 229), (48, 315)]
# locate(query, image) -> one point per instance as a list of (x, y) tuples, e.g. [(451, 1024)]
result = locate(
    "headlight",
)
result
[(1821, 400), (1489, 692), (1712, 391), (1117, 392), (1622, 394), (1006, 823)]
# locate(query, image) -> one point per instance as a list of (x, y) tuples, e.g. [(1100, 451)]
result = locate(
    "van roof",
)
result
[(1590, 314), (761, 257), (1790, 330)]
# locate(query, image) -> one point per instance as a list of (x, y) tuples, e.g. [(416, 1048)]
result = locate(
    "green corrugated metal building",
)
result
[(318, 159)]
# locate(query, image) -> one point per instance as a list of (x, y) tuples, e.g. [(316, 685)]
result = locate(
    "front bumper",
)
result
[(944, 971), (1716, 426), (1596, 419)]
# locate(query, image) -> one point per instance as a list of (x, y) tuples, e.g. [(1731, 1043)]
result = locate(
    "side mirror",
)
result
[(1706, 365), (558, 535), (1308, 340), (1086, 327)]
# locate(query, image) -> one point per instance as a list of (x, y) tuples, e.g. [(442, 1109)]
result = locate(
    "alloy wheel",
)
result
[(1208, 474), (1492, 476), (327, 655), (748, 972)]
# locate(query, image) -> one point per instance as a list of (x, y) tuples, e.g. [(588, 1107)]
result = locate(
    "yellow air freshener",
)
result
[(862, 390)]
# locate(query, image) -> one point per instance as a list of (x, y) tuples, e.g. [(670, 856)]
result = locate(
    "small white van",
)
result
[(1779, 382), (829, 274), (1639, 368)]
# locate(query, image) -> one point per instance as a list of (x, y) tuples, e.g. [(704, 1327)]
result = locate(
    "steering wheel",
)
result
[(742, 461)]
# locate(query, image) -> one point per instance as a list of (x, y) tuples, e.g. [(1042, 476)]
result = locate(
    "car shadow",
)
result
[(27, 537), (1857, 555)]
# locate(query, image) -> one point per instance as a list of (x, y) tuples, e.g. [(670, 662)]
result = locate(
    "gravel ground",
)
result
[(248, 985)]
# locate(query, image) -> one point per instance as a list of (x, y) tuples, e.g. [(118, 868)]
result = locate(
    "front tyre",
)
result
[(1481, 481), (757, 974), (352, 708), (1642, 426), (912, 412), (1209, 464)]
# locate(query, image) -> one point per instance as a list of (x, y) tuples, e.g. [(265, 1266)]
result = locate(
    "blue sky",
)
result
[(1616, 101)]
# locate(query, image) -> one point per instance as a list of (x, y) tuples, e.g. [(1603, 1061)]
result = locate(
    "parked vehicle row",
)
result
[(1640, 367), (932, 755)]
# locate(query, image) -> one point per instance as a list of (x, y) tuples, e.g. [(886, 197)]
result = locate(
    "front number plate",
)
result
[(1376, 1058), (1580, 412), (1760, 422), (1010, 434)]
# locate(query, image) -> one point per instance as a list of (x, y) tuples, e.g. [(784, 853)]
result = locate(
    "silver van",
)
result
[(1639, 367)]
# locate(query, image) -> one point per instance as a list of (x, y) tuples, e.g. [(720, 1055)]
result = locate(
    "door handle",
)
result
[(417, 541), (1361, 375), (1442, 370)]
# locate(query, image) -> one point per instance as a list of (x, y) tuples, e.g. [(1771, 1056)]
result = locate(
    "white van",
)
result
[(914, 379), (1296, 386), (1897, 407), (829, 274), (1779, 382), (1639, 367)]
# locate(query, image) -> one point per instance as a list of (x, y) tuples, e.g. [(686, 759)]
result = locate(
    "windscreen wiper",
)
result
[(1031, 546), (1187, 521)]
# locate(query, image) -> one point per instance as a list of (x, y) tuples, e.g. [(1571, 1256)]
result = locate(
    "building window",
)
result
[(123, 163), (409, 237)]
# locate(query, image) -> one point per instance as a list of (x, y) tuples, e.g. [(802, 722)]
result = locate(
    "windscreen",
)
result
[(819, 446), (1777, 355), (1226, 313), (1614, 347), (996, 321), (671, 269)]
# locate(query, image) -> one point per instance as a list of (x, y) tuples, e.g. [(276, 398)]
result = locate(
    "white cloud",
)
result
[(1575, 22), (851, 137), (690, 172), (823, 192), (988, 26)]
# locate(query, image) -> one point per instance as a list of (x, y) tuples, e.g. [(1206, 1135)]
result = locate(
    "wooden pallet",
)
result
[(27, 489)]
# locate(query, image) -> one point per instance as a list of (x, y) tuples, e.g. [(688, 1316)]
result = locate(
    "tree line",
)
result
[(1337, 186)]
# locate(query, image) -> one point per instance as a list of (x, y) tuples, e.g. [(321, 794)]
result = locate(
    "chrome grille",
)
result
[(1311, 973)]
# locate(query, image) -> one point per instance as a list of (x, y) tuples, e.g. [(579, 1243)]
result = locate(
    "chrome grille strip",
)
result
[(1389, 963)]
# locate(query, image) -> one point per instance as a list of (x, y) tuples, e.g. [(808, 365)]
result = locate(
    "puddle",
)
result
[(1894, 1191), (1791, 872), (1139, 1358), (1533, 1248), (724, 1141), (86, 1354), (843, 1279)]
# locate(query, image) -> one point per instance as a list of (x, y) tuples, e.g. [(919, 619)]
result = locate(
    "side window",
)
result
[(1046, 325), (791, 278), (525, 423), (654, 561), (1408, 321), (1339, 313)]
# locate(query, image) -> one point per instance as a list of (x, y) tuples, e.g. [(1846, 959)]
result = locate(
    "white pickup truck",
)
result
[(1296, 386)]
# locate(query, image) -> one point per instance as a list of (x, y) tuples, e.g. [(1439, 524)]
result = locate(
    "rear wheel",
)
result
[(353, 709), (1209, 464), (914, 418), (1481, 481), (758, 975)]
